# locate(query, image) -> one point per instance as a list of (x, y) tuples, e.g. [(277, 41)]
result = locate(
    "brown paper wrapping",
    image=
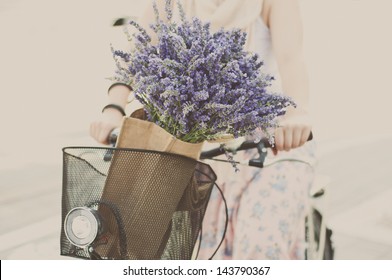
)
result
[(155, 189)]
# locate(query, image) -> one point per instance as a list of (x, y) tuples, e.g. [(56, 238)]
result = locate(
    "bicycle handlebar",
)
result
[(211, 154), (113, 136), (249, 144), (256, 162), (112, 139)]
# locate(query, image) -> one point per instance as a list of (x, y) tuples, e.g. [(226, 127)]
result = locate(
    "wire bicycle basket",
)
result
[(140, 204)]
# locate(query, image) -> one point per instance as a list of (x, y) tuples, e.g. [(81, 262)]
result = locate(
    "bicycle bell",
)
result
[(82, 225)]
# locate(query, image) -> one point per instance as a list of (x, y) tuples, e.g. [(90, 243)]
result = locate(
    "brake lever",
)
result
[(262, 151)]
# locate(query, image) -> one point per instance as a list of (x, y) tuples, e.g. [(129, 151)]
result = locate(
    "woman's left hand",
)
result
[(293, 131)]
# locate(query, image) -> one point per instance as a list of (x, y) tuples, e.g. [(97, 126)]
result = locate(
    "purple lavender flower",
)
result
[(196, 84)]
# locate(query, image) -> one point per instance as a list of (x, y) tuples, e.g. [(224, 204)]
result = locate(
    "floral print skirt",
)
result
[(266, 207)]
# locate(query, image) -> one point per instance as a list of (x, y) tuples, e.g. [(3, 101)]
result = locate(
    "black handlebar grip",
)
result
[(113, 136), (112, 139), (244, 146)]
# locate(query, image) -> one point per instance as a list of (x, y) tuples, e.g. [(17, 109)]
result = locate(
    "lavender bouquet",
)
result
[(196, 84)]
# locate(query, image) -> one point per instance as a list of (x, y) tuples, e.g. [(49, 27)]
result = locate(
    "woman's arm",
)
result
[(111, 118), (284, 21)]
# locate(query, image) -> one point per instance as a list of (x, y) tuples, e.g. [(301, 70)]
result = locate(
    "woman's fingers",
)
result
[(305, 135), (289, 137), (103, 135), (294, 130), (100, 130), (279, 139), (95, 131), (297, 136)]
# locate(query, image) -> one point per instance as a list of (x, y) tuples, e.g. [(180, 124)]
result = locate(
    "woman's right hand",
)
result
[(100, 129)]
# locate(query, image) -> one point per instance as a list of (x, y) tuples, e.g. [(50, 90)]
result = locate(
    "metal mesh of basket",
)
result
[(138, 205)]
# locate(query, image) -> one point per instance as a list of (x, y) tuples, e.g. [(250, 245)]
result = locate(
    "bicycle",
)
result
[(84, 229)]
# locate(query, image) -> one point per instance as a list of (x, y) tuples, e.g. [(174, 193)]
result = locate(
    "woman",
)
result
[(267, 207)]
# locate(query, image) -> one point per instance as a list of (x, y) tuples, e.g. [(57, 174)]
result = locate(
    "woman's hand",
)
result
[(111, 118), (294, 130), (100, 129)]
